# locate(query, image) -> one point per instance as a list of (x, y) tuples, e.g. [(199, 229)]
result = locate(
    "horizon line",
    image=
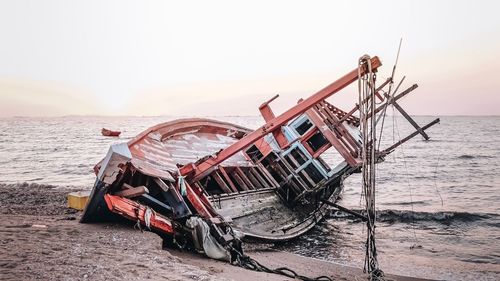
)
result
[(211, 115)]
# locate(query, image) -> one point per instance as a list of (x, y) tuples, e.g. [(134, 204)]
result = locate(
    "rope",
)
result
[(366, 88), (407, 175)]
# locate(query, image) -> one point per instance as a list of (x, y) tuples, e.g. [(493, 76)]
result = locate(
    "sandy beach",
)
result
[(41, 239)]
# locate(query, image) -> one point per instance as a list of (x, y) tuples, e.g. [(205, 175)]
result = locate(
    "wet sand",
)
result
[(41, 239)]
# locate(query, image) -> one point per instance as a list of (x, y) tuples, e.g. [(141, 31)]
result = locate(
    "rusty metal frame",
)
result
[(203, 168)]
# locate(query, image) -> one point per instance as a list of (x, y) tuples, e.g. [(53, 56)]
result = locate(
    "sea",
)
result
[(437, 201)]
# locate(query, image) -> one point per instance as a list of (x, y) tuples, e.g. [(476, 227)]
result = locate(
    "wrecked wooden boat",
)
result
[(270, 184), (109, 133)]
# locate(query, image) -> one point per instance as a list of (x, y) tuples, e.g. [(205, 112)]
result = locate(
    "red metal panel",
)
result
[(156, 151), (135, 211)]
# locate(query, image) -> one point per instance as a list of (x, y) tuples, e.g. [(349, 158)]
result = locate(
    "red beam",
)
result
[(197, 202), (135, 211), (203, 168), (332, 138), (268, 115)]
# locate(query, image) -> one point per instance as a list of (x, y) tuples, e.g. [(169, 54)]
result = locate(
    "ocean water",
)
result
[(438, 201)]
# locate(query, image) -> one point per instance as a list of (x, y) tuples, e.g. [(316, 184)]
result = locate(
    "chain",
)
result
[(247, 262)]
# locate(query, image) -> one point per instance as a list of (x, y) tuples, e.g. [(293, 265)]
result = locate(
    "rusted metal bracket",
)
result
[(266, 111)]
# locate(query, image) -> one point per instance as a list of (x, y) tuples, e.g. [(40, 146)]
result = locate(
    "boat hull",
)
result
[(258, 211)]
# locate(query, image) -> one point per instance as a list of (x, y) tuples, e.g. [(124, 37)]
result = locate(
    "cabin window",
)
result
[(291, 161), (268, 164), (306, 179), (303, 126), (254, 153), (316, 141), (299, 156), (313, 173), (323, 164)]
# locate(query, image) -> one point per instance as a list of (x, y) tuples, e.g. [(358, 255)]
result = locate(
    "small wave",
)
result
[(407, 203), (39, 186), (28, 185), (468, 156), (393, 216), (445, 217)]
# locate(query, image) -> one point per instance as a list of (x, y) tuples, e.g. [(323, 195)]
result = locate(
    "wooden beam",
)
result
[(255, 181), (228, 179), (259, 177), (240, 182), (131, 192), (244, 177), (268, 115), (390, 101), (221, 182), (267, 176), (197, 203), (167, 188), (392, 147), (408, 117)]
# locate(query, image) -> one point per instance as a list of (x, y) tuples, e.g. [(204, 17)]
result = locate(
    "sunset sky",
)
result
[(226, 57)]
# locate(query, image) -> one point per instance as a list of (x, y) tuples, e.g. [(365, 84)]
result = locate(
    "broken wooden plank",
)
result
[(131, 192), (166, 188)]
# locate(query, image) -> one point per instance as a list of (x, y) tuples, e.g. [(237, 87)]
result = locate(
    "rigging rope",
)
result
[(367, 106), (407, 175)]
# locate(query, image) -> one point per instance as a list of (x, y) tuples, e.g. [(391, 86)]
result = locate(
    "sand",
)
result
[(41, 239)]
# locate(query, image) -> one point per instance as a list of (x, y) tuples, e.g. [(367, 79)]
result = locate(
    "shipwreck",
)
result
[(192, 177)]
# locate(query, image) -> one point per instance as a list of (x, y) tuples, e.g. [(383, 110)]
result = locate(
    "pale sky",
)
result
[(227, 57)]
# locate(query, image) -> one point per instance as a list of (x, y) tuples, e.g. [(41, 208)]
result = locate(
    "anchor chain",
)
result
[(247, 262)]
